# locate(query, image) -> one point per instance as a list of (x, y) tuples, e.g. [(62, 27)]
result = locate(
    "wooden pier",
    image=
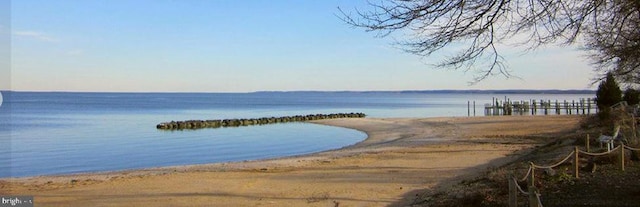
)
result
[(540, 107)]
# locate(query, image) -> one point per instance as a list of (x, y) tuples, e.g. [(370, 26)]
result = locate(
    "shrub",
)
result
[(608, 93)]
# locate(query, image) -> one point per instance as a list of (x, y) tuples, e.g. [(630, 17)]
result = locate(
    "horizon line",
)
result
[(336, 91)]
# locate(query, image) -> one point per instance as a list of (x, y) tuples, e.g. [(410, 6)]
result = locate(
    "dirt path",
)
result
[(401, 157)]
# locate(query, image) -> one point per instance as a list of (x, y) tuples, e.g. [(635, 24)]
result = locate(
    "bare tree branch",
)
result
[(610, 28)]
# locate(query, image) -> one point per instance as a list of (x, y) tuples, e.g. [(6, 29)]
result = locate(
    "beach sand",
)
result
[(401, 158)]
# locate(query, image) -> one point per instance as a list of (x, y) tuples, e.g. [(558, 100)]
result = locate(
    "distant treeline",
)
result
[(511, 91), (199, 124)]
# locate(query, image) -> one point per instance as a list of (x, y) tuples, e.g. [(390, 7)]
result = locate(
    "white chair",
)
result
[(608, 140)]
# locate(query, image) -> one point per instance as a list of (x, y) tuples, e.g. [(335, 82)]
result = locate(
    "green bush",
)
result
[(608, 93), (604, 115)]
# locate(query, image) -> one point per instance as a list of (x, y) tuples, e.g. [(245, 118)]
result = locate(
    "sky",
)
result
[(236, 46)]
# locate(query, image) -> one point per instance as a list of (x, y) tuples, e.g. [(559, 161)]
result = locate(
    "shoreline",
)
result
[(358, 147), (342, 151), (173, 168), (340, 123), (408, 154)]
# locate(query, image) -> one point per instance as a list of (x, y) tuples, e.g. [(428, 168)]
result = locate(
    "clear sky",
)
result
[(238, 46)]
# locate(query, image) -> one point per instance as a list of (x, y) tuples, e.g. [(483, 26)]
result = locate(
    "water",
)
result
[(62, 133)]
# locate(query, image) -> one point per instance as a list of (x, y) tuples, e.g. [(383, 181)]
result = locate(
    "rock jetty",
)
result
[(200, 124)]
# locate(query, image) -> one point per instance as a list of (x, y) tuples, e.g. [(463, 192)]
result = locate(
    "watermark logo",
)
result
[(17, 201)]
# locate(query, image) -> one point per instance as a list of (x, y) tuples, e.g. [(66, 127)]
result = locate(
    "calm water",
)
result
[(62, 133)]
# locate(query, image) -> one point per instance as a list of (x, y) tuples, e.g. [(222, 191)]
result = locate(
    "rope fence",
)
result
[(527, 175), (632, 149), (532, 193), (600, 154), (518, 186), (554, 165)]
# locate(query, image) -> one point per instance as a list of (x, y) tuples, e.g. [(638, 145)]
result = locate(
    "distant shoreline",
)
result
[(506, 91)]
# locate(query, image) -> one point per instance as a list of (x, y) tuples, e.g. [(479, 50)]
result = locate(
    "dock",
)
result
[(539, 107)]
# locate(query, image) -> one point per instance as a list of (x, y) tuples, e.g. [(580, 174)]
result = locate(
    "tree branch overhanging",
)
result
[(609, 27)]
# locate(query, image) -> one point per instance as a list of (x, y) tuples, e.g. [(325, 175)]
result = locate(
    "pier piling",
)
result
[(546, 107)]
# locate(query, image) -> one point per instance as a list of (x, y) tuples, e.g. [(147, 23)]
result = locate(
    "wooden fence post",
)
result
[(587, 143), (532, 175), (533, 197), (622, 156), (577, 165), (513, 192)]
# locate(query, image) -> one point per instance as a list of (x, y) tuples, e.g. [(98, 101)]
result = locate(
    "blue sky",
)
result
[(238, 46)]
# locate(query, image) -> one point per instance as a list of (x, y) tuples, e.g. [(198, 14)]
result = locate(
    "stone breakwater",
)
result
[(200, 124)]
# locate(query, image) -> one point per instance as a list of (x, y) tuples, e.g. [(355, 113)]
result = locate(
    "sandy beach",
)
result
[(401, 158)]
